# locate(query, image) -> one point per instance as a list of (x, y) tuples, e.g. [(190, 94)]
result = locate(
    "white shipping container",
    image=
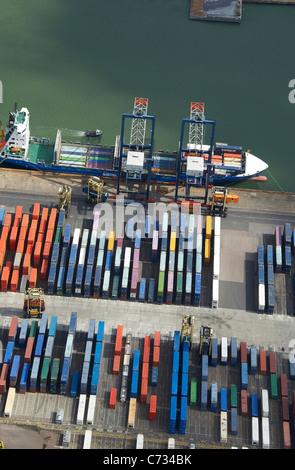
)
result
[(81, 409), (217, 226), (180, 258), (191, 223), (216, 246), (215, 293), (102, 239), (265, 432), (261, 297), (139, 441), (165, 222), (163, 261), (69, 345), (85, 238), (265, 402), (125, 278), (91, 409), (87, 439), (82, 255), (9, 402), (216, 266), (127, 257), (76, 236), (93, 237), (255, 431), (223, 426), (171, 443), (155, 240), (224, 351), (126, 359), (100, 258), (199, 245)]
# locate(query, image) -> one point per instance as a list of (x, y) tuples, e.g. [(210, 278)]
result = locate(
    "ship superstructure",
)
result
[(17, 136)]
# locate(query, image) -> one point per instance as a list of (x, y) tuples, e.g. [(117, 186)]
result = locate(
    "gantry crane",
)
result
[(34, 303), (206, 335), (136, 154), (220, 197), (94, 189), (187, 329), (64, 198), (190, 162)]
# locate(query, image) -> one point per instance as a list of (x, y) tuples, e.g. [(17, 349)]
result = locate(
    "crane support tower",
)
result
[(206, 335), (64, 198), (94, 190), (34, 303), (187, 329), (190, 160), (136, 154)]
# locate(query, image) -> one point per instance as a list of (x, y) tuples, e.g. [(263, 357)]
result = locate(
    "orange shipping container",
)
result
[(286, 435), (18, 212), (31, 236), (262, 356), (36, 211), (4, 233), (14, 280), (37, 254), (40, 237), (44, 214), (157, 338), (118, 344), (7, 220), (42, 228), (27, 264), (34, 224), (2, 256), (4, 278), (20, 246), (13, 238), (16, 223), (156, 356), (113, 398), (43, 272), (3, 378), (153, 407), (13, 328), (30, 249), (46, 250), (145, 370), (146, 354), (49, 236), (116, 365), (23, 232), (29, 350), (25, 220), (143, 391), (33, 278)]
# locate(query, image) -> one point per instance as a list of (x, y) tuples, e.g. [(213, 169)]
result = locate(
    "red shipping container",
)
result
[(36, 211), (13, 238), (29, 249), (145, 370), (49, 235), (285, 409), (272, 362), (243, 349), (7, 220), (118, 344), (46, 250), (113, 398), (4, 278), (262, 356), (244, 403), (31, 236), (29, 350), (25, 220), (27, 264), (44, 214), (13, 328), (33, 278), (14, 280), (43, 272), (16, 223), (42, 228), (147, 341), (116, 365), (8, 264), (146, 354), (143, 391), (284, 385), (286, 435), (3, 378), (37, 254), (34, 224), (153, 407), (18, 213), (157, 338), (22, 233), (156, 356), (40, 237)]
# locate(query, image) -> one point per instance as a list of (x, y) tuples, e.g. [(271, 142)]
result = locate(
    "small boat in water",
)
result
[(95, 133)]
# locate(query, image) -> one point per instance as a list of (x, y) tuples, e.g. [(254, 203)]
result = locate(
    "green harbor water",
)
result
[(79, 65)]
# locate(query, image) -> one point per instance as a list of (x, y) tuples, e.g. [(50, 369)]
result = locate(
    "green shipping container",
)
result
[(33, 329), (273, 386), (193, 394), (161, 283), (179, 283), (44, 371), (54, 375), (58, 235), (233, 396)]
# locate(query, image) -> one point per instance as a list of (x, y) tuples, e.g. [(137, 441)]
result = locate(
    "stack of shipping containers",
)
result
[(216, 262), (134, 272), (174, 383), (184, 386), (163, 258), (199, 261), (145, 369), (81, 262), (8, 355), (90, 263), (285, 412), (172, 258), (48, 355), (189, 260), (68, 354), (99, 265), (180, 258), (72, 262), (108, 265), (125, 275), (38, 354), (261, 278), (59, 239), (270, 279), (156, 358), (117, 268), (287, 258)]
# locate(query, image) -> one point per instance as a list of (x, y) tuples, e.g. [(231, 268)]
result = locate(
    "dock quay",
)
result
[(216, 10), (238, 321)]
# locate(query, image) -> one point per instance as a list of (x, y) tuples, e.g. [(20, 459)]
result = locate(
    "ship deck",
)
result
[(39, 152)]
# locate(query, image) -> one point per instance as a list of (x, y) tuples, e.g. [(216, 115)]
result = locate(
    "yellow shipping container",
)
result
[(208, 226), (172, 241), (131, 413), (111, 241), (207, 251)]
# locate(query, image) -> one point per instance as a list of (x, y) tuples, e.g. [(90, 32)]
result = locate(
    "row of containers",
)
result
[(25, 246), (252, 362), (36, 368), (273, 259)]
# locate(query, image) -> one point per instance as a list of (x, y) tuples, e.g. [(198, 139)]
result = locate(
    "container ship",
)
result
[(229, 164)]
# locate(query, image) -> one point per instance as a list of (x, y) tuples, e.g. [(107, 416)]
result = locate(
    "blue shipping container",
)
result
[(84, 377), (134, 384), (233, 351), (94, 379), (39, 345), (244, 375), (67, 235), (53, 325), (234, 421), (214, 392), (100, 332), (204, 367), (154, 377), (253, 360), (184, 384), (23, 333), (24, 376), (136, 356), (97, 353), (8, 352), (172, 416), (214, 352), (74, 385), (183, 415), (223, 399), (175, 361), (73, 323), (254, 404), (204, 395), (174, 383)]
